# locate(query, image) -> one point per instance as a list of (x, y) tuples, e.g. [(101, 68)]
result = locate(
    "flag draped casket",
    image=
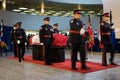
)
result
[(59, 40), (57, 50)]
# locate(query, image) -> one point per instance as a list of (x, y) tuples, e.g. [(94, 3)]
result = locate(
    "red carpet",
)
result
[(67, 65)]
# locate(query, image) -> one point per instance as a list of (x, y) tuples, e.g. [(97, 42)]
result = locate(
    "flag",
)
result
[(91, 34), (1, 28), (100, 43), (99, 31)]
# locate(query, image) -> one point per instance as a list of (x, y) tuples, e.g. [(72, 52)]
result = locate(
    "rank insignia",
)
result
[(71, 21)]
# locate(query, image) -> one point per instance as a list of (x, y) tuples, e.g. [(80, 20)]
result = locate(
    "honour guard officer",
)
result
[(21, 39), (13, 40), (105, 30), (77, 40), (46, 37), (55, 28)]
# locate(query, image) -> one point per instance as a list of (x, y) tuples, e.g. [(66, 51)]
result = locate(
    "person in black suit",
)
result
[(21, 40), (77, 40), (13, 40), (106, 40), (46, 37), (55, 28)]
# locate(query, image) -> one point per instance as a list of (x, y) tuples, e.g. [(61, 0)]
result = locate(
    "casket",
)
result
[(59, 40), (34, 40)]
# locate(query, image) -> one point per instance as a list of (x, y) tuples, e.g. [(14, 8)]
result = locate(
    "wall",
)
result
[(114, 6), (33, 22)]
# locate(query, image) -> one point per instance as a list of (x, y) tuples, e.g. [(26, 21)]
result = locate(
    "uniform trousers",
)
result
[(108, 46), (21, 52), (81, 48), (15, 49), (47, 49)]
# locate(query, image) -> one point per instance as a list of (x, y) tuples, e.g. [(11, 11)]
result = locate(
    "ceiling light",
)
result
[(91, 11), (42, 11), (44, 14), (33, 14), (51, 11), (82, 11), (68, 13), (48, 13), (32, 9), (23, 13), (37, 12), (57, 13), (26, 11), (98, 14), (23, 8), (62, 11), (16, 10)]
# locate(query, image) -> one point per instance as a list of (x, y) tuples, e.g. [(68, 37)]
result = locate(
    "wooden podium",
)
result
[(37, 51), (57, 53)]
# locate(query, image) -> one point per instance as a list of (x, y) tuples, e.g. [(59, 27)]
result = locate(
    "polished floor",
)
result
[(14, 70)]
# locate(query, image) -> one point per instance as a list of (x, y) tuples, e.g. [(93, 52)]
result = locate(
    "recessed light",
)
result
[(33, 14), (23, 8), (23, 13), (32, 9), (57, 13), (26, 11), (16, 10), (91, 11)]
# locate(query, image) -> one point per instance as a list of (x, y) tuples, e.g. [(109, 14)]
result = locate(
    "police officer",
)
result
[(46, 37), (106, 29), (77, 40), (13, 40), (21, 39), (55, 28)]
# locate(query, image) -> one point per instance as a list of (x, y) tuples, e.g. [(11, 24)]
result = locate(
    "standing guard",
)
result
[(77, 40), (105, 30), (46, 37)]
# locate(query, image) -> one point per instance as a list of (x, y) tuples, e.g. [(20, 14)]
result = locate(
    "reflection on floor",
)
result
[(14, 70)]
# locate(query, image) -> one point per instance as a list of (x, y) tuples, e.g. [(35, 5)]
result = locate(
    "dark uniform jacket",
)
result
[(105, 28), (46, 34), (13, 36), (56, 31), (75, 27), (21, 35)]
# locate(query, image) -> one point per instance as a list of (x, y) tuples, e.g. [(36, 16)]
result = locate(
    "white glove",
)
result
[(113, 27), (41, 43), (82, 31), (25, 43), (18, 41), (11, 42)]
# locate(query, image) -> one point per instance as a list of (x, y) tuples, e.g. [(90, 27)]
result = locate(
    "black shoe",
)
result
[(15, 56), (19, 60), (104, 64), (113, 63), (74, 68), (48, 64), (85, 68), (23, 59)]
